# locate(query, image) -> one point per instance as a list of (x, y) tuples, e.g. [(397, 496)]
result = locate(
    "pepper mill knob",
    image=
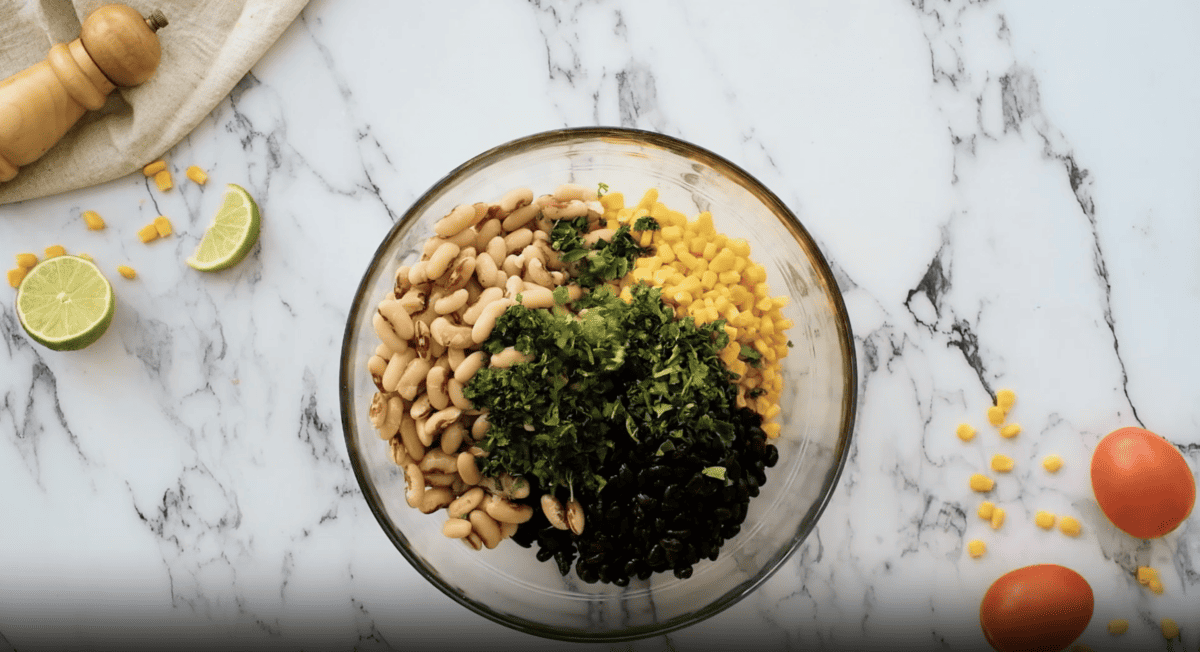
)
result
[(38, 105), (122, 43)]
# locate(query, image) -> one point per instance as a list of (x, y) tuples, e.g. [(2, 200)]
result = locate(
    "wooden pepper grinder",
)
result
[(116, 47)]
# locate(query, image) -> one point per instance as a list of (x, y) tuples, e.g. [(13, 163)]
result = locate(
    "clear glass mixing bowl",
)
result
[(507, 584)]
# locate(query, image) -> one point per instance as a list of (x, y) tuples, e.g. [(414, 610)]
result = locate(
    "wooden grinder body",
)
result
[(41, 103)]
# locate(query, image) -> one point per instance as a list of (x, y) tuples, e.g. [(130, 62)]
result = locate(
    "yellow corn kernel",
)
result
[(976, 548), (1010, 431), (1002, 463), (696, 246), (985, 510), (965, 432), (740, 246), (997, 518), (1005, 399), (772, 429), (148, 233), (710, 251), (162, 179), (671, 234), (27, 260), (641, 274), (1156, 585), (1145, 574), (1044, 520), (723, 261), (708, 279), (648, 199), (1069, 526), (781, 301), (1118, 626), (1052, 463), (55, 250), (1170, 629), (163, 226), (682, 297), (154, 168), (613, 201), (93, 220), (995, 415), (772, 411), (646, 238), (756, 274), (727, 278), (704, 224), (981, 483), (16, 275), (126, 271), (665, 253)]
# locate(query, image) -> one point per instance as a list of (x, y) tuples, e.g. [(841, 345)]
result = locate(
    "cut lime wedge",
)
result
[(65, 303), (232, 234)]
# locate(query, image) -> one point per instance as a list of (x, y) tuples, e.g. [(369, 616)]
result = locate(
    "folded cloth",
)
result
[(207, 48)]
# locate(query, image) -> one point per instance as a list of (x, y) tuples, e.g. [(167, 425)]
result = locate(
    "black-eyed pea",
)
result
[(418, 273), (485, 270), (456, 528), (438, 462), (437, 423), (518, 240), (393, 417), (513, 264), (382, 351), (508, 529), (465, 503), (496, 249), (487, 230), (469, 367), (378, 410), (536, 296), (462, 270), (451, 336), (385, 332), (535, 272), (514, 199), (452, 438), (465, 238), (514, 487), (434, 499), (435, 387), (568, 191), (401, 284), (575, 516), (455, 390), (520, 217), (508, 357), (480, 428), (412, 441), (471, 316), (413, 378), (555, 512), (505, 511), (451, 302), (397, 452), (468, 469), (421, 408), (487, 318), (569, 210), (440, 261), (413, 301), (486, 527), (558, 278), (461, 217), (414, 494), (513, 286), (454, 358)]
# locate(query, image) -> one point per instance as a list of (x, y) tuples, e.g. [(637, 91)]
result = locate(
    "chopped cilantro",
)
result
[(750, 355), (616, 375), (607, 260), (601, 189), (561, 295), (646, 223), (717, 472), (756, 392)]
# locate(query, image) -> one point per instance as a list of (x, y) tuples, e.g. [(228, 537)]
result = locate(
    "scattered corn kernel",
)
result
[(1170, 629), (163, 180), (1052, 463), (55, 250), (995, 415), (163, 226), (976, 548), (93, 220), (1005, 399), (985, 510), (148, 233), (154, 168), (1010, 431), (1118, 626), (965, 432), (1002, 463), (16, 275), (1145, 574), (27, 260), (982, 483), (126, 271), (196, 174), (1156, 585), (1070, 526), (1044, 520), (997, 518)]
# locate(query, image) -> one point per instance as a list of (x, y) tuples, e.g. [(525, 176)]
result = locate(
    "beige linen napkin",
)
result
[(208, 46)]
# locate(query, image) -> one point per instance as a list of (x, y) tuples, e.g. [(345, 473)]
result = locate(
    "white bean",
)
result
[(437, 461), (450, 303), (385, 332), (435, 499), (452, 438), (455, 390), (466, 371), (518, 240), (413, 301), (376, 366), (507, 512), (486, 527), (397, 318), (533, 297), (485, 270), (455, 221), (487, 319), (438, 423), (440, 260), (514, 199), (449, 335), (520, 217), (456, 528), (421, 408), (487, 231), (461, 270), (496, 249), (414, 375), (394, 371), (412, 442), (513, 264), (415, 493), (466, 502), (509, 357), (468, 469), (418, 273), (481, 426), (455, 357), (435, 387), (395, 414)]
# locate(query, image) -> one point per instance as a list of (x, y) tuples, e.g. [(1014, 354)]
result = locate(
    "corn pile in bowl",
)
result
[(813, 389)]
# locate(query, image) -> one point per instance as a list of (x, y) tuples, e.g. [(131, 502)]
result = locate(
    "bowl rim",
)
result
[(841, 319)]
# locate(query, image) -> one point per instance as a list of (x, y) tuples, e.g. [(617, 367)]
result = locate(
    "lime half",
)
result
[(65, 303), (232, 234)]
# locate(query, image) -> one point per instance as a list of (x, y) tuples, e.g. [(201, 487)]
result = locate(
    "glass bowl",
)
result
[(507, 584)]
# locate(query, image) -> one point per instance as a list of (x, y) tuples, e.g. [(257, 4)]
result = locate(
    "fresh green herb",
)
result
[(561, 295), (607, 260), (756, 392), (717, 472), (646, 223), (751, 356), (601, 189), (619, 373)]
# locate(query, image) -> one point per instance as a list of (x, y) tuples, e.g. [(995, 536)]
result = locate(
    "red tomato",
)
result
[(1044, 607), (1142, 483)]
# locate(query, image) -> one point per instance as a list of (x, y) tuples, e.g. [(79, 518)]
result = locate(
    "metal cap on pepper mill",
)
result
[(116, 47)]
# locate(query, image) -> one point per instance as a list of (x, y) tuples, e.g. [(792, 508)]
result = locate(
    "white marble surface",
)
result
[(1007, 191)]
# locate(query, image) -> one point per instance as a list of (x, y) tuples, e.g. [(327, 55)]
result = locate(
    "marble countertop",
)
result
[(1007, 191)]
